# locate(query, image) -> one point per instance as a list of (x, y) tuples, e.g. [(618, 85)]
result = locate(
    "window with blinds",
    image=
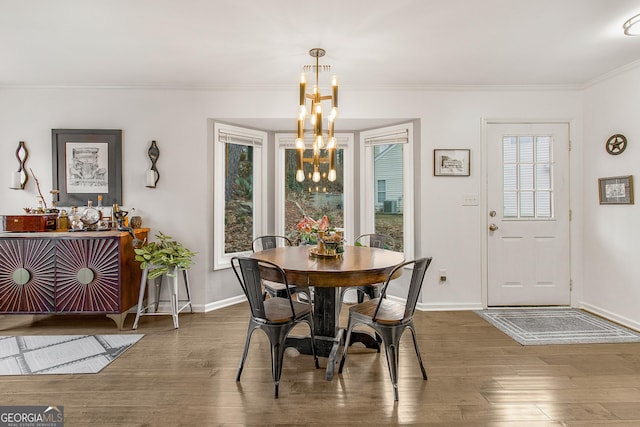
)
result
[(527, 176)]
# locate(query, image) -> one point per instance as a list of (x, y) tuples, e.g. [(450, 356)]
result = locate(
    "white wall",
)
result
[(612, 232), (181, 205)]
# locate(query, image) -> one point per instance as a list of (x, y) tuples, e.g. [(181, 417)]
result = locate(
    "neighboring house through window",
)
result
[(387, 184)]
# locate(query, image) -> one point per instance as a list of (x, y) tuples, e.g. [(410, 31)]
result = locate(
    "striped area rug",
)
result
[(61, 354), (557, 326)]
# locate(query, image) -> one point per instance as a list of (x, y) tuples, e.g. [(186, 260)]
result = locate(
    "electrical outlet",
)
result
[(443, 275)]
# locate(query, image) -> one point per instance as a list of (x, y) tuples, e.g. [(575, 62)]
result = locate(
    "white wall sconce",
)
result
[(19, 179), (152, 176), (632, 26)]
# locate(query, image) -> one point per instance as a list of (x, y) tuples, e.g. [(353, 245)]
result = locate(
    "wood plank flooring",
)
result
[(477, 377)]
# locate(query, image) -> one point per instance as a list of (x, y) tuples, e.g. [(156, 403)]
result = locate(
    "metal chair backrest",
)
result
[(420, 267), (269, 242), (376, 240), (247, 270)]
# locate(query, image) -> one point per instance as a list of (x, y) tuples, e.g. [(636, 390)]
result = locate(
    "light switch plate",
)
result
[(470, 199)]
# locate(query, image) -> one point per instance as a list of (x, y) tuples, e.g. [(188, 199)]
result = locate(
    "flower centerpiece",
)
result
[(309, 228), (319, 232)]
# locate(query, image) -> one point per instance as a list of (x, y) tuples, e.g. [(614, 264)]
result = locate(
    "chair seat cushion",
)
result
[(278, 310), (390, 313)]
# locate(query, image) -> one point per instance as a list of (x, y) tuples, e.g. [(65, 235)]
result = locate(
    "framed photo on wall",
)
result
[(86, 163), (616, 190), (447, 162)]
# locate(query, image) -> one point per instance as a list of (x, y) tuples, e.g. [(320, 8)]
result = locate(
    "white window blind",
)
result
[(399, 136), (231, 136)]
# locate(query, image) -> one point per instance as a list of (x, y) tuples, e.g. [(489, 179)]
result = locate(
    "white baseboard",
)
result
[(632, 324), (219, 304), (442, 307), (469, 306), (420, 306)]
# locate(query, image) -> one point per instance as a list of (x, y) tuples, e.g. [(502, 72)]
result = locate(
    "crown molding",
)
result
[(613, 73)]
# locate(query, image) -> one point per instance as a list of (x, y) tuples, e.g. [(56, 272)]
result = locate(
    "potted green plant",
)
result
[(164, 256)]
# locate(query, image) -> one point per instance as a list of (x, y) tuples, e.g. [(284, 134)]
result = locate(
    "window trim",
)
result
[(398, 134), (245, 136), (345, 142)]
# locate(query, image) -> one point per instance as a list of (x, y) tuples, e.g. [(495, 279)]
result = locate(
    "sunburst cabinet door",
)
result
[(87, 275), (27, 275)]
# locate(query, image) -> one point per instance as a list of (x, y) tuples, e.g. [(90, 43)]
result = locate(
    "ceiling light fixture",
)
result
[(632, 26), (321, 141)]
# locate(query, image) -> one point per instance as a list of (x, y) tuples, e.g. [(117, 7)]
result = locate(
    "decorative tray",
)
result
[(313, 252)]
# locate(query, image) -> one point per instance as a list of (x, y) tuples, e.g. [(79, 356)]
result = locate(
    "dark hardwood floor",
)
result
[(477, 377)]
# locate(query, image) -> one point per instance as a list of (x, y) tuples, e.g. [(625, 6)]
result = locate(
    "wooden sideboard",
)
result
[(86, 272)]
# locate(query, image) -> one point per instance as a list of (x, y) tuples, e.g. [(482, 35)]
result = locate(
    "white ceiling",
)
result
[(393, 44)]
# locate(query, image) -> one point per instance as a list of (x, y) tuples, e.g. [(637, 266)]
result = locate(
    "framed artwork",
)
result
[(616, 190), (86, 163), (448, 162)]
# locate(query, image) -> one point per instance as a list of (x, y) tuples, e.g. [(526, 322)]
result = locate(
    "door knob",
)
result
[(493, 227)]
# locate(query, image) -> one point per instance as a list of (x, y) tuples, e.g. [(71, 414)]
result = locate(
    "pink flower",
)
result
[(307, 224), (324, 223)]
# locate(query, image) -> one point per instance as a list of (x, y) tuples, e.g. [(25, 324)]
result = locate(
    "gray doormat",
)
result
[(61, 354), (557, 326)]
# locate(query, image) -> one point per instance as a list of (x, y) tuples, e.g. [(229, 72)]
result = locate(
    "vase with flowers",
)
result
[(320, 233), (309, 228)]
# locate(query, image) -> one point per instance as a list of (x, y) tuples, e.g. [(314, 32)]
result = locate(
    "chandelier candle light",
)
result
[(321, 141)]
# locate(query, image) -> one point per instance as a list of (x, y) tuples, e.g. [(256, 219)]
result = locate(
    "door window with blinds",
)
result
[(388, 184), (238, 203), (527, 176)]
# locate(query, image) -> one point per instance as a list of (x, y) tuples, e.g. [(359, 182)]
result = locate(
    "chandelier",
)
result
[(321, 141)]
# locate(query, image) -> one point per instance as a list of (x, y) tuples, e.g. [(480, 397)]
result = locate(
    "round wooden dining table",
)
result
[(357, 266)]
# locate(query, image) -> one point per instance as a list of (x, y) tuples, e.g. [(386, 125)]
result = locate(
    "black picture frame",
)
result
[(616, 190), (452, 162), (86, 163)]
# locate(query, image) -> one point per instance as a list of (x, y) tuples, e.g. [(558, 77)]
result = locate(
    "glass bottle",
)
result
[(90, 216), (63, 220), (76, 224), (103, 223), (114, 215)]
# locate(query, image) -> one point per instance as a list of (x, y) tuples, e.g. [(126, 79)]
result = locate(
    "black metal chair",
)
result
[(390, 319), (275, 316), (373, 240), (270, 242)]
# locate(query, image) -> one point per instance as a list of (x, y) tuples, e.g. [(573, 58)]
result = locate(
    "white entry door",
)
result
[(528, 223)]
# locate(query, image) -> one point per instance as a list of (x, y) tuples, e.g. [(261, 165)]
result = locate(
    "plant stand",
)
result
[(177, 305)]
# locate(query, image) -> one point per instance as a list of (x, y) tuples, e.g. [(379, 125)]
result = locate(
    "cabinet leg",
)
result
[(118, 318)]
